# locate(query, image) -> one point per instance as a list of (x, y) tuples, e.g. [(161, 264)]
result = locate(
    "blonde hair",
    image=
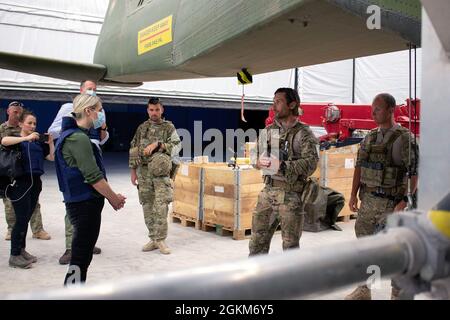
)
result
[(82, 102)]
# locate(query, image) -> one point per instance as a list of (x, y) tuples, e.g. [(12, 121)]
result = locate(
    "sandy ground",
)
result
[(122, 236)]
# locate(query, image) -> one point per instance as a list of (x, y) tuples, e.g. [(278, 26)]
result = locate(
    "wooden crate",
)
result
[(335, 170), (229, 198), (187, 194)]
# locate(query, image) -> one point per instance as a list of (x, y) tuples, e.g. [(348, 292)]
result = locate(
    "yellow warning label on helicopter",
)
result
[(155, 36)]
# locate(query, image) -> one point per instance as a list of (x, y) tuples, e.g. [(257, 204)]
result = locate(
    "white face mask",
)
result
[(91, 92)]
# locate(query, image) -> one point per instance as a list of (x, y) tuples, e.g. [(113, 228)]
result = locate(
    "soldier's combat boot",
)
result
[(42, 235), (150, 246), (8, 235), (395, 294), (360, 293), (19, 262), (65, 258), (28, 256), (97, 250), (163, 248)]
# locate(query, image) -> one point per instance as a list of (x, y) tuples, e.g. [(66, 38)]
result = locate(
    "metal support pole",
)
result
[(296, 79), (293, 274), (353, 80)]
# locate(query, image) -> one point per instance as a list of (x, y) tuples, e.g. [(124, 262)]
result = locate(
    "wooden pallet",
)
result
[(224, 231), (335, 171), (185, 220)]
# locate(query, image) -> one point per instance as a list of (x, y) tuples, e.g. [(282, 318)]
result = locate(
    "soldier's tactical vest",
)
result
[(377, 166), (152, 134), (286, 153)]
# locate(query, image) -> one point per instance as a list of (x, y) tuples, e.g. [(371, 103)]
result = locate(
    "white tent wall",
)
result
[(386, 73), (327, 82), (67, 29), (380, 73)]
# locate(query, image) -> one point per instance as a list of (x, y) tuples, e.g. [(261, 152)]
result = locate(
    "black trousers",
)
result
[(86, 218), (23, 208)]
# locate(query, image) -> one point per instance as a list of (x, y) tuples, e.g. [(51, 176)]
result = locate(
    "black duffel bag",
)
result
[(11, 163)]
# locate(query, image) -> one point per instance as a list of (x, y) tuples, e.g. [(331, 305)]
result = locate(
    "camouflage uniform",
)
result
[(383, 159), (280, 200), (36, 218), (155, 186)]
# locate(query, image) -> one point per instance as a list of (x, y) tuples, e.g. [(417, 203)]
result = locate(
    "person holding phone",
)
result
[(11, 128), (24, 192)]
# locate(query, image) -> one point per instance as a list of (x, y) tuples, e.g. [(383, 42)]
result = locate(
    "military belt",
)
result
[(297, 187), (385, 193), (384, 196)]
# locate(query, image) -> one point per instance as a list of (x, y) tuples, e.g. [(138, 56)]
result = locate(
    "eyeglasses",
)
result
[(153, 100), (16, 104)]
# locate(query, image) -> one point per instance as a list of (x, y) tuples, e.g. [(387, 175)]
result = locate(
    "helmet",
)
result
[(160, 165)]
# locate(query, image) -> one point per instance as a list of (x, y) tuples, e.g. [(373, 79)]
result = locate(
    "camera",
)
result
[(43, 137)]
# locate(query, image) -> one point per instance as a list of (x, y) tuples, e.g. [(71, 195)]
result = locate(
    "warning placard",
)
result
[(155, 36)]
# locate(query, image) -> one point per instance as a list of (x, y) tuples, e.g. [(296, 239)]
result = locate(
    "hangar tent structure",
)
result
[(414, 249)]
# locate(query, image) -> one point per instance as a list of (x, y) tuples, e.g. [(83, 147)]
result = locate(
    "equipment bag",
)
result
[(11, 164)]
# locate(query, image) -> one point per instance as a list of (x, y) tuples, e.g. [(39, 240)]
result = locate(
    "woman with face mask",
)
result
[(24, 193), (82, 180)]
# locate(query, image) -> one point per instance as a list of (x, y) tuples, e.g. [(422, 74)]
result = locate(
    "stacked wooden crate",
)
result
[(230, 197), (335, 171), (187, 195), (214, 196)]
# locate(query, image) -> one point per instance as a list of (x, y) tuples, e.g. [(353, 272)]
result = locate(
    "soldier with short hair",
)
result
[(385, 158), (10, 128), (288, 153), (154, 145)]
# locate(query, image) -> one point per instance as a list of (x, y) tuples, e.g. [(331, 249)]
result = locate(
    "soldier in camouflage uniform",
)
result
[(154, 145), (11, 128), (288, 155), (384, 160)]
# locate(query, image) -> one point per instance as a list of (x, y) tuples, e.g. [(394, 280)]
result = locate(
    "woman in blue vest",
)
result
[(24, 193), (82, 180)]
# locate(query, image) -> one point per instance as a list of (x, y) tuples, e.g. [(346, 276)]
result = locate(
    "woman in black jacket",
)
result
[(24, 193)]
